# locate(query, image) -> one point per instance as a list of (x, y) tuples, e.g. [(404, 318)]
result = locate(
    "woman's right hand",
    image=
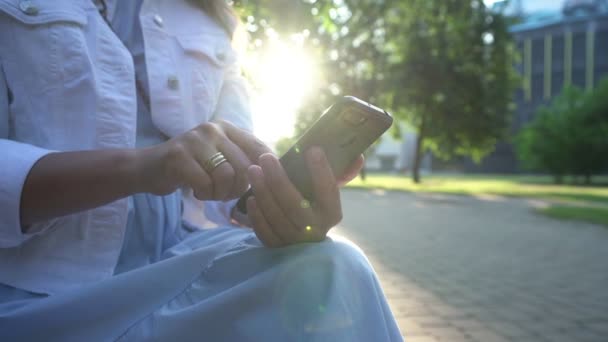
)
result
[(180, 161)]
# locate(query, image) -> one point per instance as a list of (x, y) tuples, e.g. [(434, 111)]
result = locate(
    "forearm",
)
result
[(68, 182), (63, 183)]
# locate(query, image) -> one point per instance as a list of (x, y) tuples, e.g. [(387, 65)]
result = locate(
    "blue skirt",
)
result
[(176, 283)]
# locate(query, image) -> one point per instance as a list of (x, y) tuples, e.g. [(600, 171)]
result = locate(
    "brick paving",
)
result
[(458, 268)]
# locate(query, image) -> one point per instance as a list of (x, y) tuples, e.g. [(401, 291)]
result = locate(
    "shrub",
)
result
[(570, 136)]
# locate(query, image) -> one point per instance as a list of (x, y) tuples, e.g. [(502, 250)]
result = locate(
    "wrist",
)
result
[(139, 170)]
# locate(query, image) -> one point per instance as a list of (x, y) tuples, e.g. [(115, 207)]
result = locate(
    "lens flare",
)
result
[(283, 74)]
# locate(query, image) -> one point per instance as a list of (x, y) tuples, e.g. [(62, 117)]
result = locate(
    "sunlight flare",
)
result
[(283, 74)]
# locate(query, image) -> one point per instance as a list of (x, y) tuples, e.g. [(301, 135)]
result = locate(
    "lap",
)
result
[(221, 278)]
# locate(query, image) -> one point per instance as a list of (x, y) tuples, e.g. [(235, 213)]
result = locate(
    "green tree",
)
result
[(569, 136), (591, 126), (452, 71), (346, 37), (445, 67), (545, 144)]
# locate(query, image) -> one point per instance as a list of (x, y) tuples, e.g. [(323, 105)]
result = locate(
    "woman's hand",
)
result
[(279, 214), (63, 183), (181, 162)]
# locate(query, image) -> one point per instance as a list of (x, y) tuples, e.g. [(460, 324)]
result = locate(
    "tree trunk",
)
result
[(418, 156), (558, 179), (363, 173)]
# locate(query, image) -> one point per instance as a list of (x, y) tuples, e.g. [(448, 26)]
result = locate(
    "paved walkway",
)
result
[(464, 269)]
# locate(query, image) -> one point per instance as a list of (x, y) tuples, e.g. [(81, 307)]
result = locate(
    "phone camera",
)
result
[(353, 118)]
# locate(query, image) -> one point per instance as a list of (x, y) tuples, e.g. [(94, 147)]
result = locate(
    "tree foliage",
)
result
[(445, 67), (543, 144), (453, 68), (568, 137)]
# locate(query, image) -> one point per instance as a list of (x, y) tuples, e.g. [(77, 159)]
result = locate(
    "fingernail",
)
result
[(267, 160)]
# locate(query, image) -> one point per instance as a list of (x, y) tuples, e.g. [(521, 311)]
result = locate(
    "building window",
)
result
[(527, 66), (538, 83), (557, 79), (579, 77), (601, 56), (558, 52), (548, 73), (579, 57), (579, 45), (601, 48), (590, 58), (538, 56), (557, 83)]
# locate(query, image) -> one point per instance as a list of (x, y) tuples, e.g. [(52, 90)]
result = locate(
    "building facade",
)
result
[(559, 44), (558, 49)]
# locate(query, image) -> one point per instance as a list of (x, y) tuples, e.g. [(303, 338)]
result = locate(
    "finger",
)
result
[(223, 181), (201, 150), (351, 172), (260, 225), (292, 203), (267, 204), (239, 162), (325, 187), (222, 176), (252, 146), (197, 179)]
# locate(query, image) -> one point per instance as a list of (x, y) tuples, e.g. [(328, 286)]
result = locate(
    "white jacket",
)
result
[(67, 83)]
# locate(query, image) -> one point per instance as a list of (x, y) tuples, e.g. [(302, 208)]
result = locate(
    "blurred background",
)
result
[(489, 196)]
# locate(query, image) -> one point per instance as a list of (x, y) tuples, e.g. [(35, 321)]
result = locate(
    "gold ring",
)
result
[(215, 161)]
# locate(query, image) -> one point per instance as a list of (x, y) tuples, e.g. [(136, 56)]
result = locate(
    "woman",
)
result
[(116, 119)]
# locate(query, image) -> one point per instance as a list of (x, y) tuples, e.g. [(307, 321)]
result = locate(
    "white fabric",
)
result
[(195, 51), (68, 84), (217, 285), (22, 157), (190, 47)]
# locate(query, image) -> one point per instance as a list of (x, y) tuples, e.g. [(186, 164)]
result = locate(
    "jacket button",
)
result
[(221, 56), (28, 8), (158, 20), (173, 83)]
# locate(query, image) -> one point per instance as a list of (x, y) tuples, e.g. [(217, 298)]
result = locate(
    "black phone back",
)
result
[(344, 131)]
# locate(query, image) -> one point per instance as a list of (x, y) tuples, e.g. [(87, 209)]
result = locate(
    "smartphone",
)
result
[(344, 131)]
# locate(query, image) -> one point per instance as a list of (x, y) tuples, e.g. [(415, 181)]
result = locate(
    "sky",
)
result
[(535, 5)]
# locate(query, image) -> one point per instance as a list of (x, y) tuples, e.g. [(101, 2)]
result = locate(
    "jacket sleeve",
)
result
[(16, 159)]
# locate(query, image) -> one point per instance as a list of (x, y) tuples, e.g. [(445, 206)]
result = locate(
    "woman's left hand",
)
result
[(279, 214)]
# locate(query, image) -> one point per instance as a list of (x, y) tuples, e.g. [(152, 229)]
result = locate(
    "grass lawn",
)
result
[(519, 186), (589, 214), (583, 203)]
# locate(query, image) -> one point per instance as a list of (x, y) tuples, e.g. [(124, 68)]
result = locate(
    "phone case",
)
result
[(344, 131)]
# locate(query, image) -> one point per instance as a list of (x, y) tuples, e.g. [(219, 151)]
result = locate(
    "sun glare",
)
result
[(282, 74)]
